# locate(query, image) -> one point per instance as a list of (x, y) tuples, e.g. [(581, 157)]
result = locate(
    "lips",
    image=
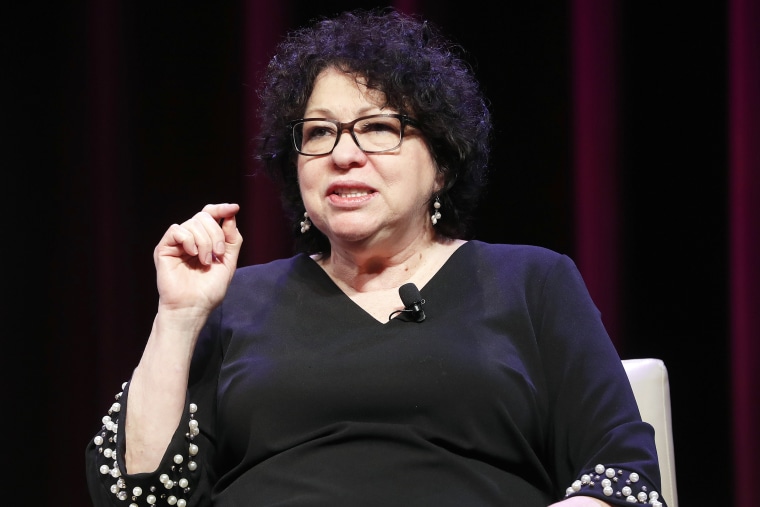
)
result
[(342, 193)]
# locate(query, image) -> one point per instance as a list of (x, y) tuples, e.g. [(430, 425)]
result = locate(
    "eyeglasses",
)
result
[(375, 133)]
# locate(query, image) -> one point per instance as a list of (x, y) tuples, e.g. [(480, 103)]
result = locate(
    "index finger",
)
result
[(221, 211)]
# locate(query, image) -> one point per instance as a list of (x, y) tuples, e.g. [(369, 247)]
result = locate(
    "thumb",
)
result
[(232, 238)]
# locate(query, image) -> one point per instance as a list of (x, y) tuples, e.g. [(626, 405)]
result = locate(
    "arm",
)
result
[(195, 262), (581, 501), (601, 447), (133, 460)]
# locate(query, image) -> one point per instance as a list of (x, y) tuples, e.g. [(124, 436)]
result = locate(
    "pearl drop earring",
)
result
[(436, 214), (305, 223)]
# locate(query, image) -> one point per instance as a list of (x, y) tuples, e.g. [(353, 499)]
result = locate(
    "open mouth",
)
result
[(351, 193)]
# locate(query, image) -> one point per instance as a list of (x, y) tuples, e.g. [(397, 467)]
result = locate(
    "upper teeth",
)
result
[(352, 193)]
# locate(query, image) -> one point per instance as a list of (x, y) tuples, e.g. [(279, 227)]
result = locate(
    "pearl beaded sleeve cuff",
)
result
[(611, 484), (172, 485)]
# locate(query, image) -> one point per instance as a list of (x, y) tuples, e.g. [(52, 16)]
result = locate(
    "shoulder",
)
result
[(258, 288), (528, 268), (506, 249), (516, 257), (267, 277), (273, 269)]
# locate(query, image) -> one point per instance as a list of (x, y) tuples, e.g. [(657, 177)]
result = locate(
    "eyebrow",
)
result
[(326, 113)]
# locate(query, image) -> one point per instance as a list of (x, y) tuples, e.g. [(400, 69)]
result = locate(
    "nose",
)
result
[(347, 152)]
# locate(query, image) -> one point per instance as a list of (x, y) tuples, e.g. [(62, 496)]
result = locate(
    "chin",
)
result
[(350, 230), (352, 236)]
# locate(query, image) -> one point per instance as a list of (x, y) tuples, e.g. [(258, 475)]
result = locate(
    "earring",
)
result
[(436, 213), (305, 223)]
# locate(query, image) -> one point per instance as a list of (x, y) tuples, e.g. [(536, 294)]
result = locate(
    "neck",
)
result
[(360, 270)]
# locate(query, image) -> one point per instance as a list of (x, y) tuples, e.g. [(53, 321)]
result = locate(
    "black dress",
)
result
[(505, 395)]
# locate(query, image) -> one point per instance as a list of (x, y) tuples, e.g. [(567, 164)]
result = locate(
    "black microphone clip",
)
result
[(412, 299)]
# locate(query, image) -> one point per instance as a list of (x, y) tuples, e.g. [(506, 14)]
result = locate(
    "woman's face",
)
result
[(367, 199)]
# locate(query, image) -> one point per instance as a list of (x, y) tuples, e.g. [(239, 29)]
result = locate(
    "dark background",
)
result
[(122, 118)]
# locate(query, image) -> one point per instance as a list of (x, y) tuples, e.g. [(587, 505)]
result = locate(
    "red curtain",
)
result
[(744, 140), (264, 24), (596, 164)]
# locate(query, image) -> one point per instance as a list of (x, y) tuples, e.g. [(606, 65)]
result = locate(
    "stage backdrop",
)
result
[(626, 136)]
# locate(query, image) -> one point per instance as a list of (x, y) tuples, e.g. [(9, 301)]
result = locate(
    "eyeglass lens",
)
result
[(373, 134)]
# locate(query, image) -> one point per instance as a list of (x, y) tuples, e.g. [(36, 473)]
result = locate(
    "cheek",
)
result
[(308, 184), (430, 176), (304, 176)]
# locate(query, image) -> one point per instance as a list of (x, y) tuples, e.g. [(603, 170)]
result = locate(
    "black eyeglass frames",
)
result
[(375, 133)]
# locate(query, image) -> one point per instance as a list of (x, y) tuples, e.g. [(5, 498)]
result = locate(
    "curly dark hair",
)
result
[(419, 72)]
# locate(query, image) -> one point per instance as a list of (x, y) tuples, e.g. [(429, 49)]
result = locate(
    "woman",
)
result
[(309, 382)]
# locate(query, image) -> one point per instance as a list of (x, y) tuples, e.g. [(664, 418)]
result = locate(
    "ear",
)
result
[(440, 181)]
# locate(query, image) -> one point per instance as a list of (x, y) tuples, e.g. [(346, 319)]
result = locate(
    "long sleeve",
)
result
[(601, 447), (184, 477)]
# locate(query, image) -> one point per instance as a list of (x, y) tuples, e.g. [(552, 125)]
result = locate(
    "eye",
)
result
[(379, 126), (316, 130)]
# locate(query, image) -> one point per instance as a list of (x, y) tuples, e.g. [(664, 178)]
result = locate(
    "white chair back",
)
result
[(651, 387)]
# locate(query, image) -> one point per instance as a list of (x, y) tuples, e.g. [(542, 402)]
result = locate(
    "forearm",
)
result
[(581, 501), (158, 389)]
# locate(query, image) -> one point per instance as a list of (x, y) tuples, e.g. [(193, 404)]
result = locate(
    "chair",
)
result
[(651, 387)]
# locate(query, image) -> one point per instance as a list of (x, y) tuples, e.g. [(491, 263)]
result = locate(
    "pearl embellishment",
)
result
[(608, 479), (176, 480)]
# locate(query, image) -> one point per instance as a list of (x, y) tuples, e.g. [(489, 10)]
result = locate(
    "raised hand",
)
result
[(195, 260)]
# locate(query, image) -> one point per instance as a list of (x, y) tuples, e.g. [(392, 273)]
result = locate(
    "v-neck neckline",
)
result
[(329, 282)]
